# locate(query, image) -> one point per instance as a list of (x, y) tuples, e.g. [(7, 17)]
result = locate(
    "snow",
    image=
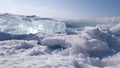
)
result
[(88, 47)]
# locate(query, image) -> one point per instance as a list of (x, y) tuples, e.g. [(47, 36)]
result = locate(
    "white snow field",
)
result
[(87, 47)]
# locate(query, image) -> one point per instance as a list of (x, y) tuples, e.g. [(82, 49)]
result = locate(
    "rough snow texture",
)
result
[(89, 47)]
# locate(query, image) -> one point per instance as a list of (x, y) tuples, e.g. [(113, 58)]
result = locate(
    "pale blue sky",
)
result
[(70, 9)]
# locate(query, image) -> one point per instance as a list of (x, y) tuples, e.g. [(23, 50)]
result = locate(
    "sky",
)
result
[(68, 9)]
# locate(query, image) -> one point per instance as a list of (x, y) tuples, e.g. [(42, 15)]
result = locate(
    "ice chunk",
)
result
[(15, 24), (49, 27), (54, 42)]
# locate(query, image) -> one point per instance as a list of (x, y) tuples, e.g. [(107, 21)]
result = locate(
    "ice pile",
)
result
[(89, 47), (92, 47), (16, 24)]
